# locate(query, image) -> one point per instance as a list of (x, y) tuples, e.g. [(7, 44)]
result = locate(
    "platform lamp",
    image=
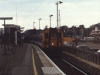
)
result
[(50, 20), (33, 25), (39, 23)]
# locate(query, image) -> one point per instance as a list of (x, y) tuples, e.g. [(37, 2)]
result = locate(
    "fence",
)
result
[(90, 56)]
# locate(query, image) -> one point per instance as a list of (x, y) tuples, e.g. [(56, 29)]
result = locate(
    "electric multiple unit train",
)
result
[(52, 37)]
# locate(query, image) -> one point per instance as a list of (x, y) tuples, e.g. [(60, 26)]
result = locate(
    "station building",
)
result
[(12, 34)]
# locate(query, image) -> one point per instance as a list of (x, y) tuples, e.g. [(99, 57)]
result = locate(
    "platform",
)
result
[(27, 59), (48, 67)]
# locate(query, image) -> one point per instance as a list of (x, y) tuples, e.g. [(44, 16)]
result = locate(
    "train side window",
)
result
[(46, 35), (59, 35)]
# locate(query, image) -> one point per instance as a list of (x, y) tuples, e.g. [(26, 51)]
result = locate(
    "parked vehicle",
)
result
[(86, 48), (67, 44), (83, 47), (98, 52)]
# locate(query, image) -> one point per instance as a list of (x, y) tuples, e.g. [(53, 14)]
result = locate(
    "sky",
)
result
[(72, 12)]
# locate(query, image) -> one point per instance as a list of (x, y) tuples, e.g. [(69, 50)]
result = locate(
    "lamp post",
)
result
[(5, 18), (57, 11), (39, 23), (59, 19), (33, 25), (50, 20)]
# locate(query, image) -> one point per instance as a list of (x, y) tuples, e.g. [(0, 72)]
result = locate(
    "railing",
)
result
[(92, 57)]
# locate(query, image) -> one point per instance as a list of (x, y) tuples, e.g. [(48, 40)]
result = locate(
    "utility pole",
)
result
[(59, 19), (57, 14), (57, 11)]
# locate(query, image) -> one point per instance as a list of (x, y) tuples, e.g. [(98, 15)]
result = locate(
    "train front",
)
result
[(53, 40)]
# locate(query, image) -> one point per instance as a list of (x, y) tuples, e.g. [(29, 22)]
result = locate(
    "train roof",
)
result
[(52, 30)]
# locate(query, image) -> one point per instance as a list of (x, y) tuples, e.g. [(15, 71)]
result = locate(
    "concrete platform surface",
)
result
[(26, 59)]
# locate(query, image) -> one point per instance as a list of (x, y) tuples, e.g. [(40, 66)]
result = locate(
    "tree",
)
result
[(46, 27), (81, 26), (64, 28)]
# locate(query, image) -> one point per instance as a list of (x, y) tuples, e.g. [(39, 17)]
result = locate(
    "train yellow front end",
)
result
[(52, 37)]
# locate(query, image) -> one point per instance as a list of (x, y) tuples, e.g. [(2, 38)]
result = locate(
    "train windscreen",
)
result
[(46, 35), (59, 35), (53, 35)]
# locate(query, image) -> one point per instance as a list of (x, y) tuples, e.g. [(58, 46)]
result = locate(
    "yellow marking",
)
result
[(34, 67)]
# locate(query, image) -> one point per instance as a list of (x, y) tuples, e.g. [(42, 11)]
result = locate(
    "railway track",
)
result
[(80, 69), (68, 67)]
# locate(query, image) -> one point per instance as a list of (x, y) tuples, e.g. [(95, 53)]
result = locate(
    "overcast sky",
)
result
[(72, 12)]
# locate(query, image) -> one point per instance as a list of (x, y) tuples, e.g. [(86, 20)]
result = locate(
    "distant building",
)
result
[(95, 30), (32, 32)]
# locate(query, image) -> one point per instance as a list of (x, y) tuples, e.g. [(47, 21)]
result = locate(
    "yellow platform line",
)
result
[(34, 66)]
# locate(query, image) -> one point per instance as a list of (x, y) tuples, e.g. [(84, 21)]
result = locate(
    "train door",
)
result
[(45, 40), (52, 37), (59, 39), (53, 40)]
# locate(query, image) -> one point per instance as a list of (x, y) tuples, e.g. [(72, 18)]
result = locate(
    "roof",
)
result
[(11, 25)]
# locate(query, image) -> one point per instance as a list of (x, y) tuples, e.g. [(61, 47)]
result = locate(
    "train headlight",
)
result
[(52, 43)]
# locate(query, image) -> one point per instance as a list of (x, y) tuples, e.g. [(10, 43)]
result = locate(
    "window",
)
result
[(46, 35), (52, 35), (59, 35)]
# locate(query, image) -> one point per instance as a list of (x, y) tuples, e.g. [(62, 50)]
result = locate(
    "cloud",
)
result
[(76, 11), (72, 13)]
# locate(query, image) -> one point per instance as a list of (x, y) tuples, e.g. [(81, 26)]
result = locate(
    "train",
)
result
[(52, 37), (50, 40)]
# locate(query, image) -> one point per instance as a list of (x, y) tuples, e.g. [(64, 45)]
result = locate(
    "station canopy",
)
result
[(12, 26)]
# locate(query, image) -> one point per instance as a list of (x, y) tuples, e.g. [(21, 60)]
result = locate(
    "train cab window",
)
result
[(52, 35), (59, 35), (46, 35)]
